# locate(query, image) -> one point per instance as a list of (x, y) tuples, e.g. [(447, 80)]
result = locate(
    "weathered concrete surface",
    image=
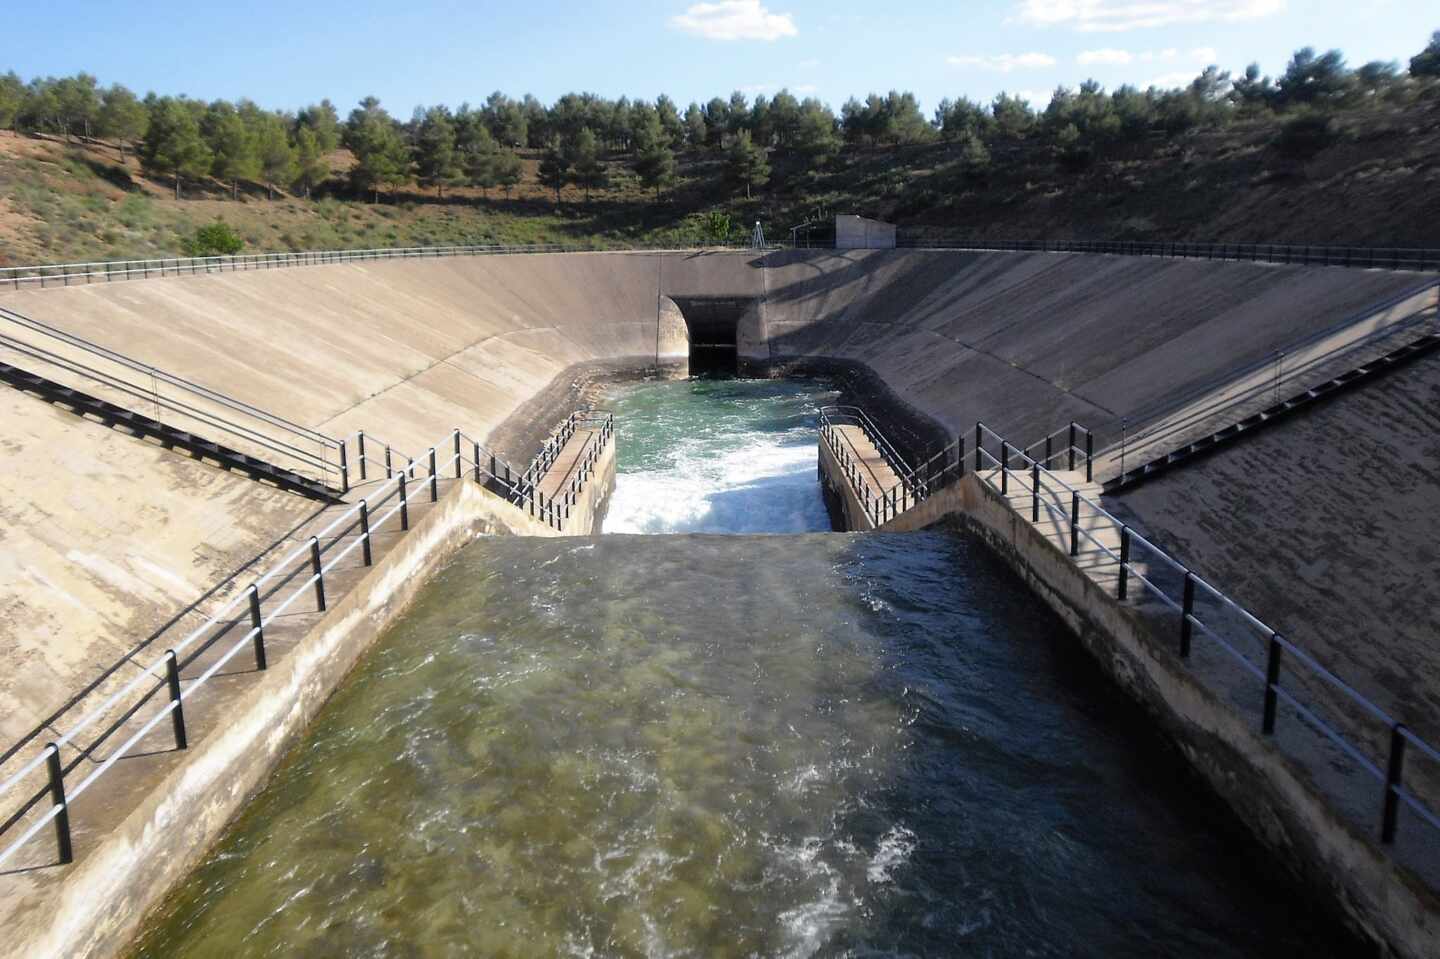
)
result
[(1255, 774), (94, 907), (104, 539), (1029, 342), (1328, 526)]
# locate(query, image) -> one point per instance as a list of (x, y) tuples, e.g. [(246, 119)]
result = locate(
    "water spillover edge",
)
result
[(718, 456)]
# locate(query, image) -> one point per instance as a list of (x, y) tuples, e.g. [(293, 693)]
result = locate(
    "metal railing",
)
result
[(880, 504), (1364, 257), (43, 276), (1137, 559), (302, 450), (257, 608)]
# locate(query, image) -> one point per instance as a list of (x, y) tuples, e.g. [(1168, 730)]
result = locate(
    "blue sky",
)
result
[(286, 54)]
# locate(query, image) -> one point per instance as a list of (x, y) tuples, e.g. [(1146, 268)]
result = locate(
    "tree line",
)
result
[(580, 135)]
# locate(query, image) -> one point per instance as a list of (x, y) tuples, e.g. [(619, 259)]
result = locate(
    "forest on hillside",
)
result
[(1225, 157), (582, 134)]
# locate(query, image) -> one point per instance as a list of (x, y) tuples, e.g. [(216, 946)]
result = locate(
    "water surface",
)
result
[(727, 746), (718, 456)]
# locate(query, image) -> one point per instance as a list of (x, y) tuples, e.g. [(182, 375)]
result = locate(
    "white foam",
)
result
[(762, 485), (895, 848)]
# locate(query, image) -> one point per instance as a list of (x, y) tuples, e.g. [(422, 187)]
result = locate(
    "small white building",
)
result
[(859, 233)]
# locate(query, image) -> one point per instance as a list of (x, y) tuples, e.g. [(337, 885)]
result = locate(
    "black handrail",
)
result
[(1421, 259)]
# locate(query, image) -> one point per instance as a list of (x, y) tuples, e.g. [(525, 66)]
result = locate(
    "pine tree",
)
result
[(507, 170), (12, 98), (479, 155), (436, 160), (555, 169), (277, 156), (1426, 63), (382, 159), (312, 165), (123, 118), (232, 146), (591, 172), (746, 163), (656, 167), (694, 127), (173, 145)]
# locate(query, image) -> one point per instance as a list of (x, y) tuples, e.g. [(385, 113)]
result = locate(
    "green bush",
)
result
[(214, 239), (1305, 134)]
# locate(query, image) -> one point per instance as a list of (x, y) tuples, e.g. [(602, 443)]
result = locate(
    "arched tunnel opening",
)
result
[(713, 326)]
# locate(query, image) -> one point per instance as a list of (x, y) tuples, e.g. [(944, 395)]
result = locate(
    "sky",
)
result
[(284, 55)]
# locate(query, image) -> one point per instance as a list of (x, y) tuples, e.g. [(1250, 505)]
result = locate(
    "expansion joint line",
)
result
[(1030, 373)]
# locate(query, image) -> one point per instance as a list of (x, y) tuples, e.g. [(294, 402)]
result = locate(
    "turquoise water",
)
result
[(718, 456)]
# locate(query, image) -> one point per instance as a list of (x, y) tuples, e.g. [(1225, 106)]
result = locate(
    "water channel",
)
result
[(729, 745)]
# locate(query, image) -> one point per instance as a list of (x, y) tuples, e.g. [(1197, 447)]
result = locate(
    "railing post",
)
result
[(1072, 445), (1186, 609), (1035, 493), (960, 457), (476, 460), (1272, 683), (360, 450), (979, 443), (434, 480), (404, 504), (57, 799), (177, 715), (1004, 468), (1074, 523), (344, 469), (1394, 774), (1048, 455), (1124, 587), (318, 572), (365, 555), (389, 473), (457, 454), (1089, 457), (259, 629)]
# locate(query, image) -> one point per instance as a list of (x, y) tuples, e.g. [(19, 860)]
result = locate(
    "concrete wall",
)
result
[(1328, 526), (1274, 797), (101, 903), (103, 539), (1029, 342), (860, 233)]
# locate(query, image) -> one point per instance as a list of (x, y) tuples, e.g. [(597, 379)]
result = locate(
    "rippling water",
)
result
[(718, 456), (726, 746)]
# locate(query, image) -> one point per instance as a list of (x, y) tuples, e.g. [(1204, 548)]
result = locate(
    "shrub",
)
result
[(1305, 134), (214, 239)]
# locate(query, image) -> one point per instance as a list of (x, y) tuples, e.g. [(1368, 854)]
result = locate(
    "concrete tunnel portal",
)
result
[(713, 329)]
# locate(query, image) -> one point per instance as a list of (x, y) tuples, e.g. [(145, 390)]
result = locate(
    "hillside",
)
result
[(1378, 183)]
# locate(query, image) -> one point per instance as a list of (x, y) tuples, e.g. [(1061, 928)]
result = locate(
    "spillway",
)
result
[(727, 745), (718, 456)]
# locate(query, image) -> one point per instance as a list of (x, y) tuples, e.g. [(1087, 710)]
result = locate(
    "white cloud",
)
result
[(1039, 99), (1171, 81), (1105, 56), (1004, 62), (734, 20), (1118, 16), (805, 89), (1112, 57), (810, 64)]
